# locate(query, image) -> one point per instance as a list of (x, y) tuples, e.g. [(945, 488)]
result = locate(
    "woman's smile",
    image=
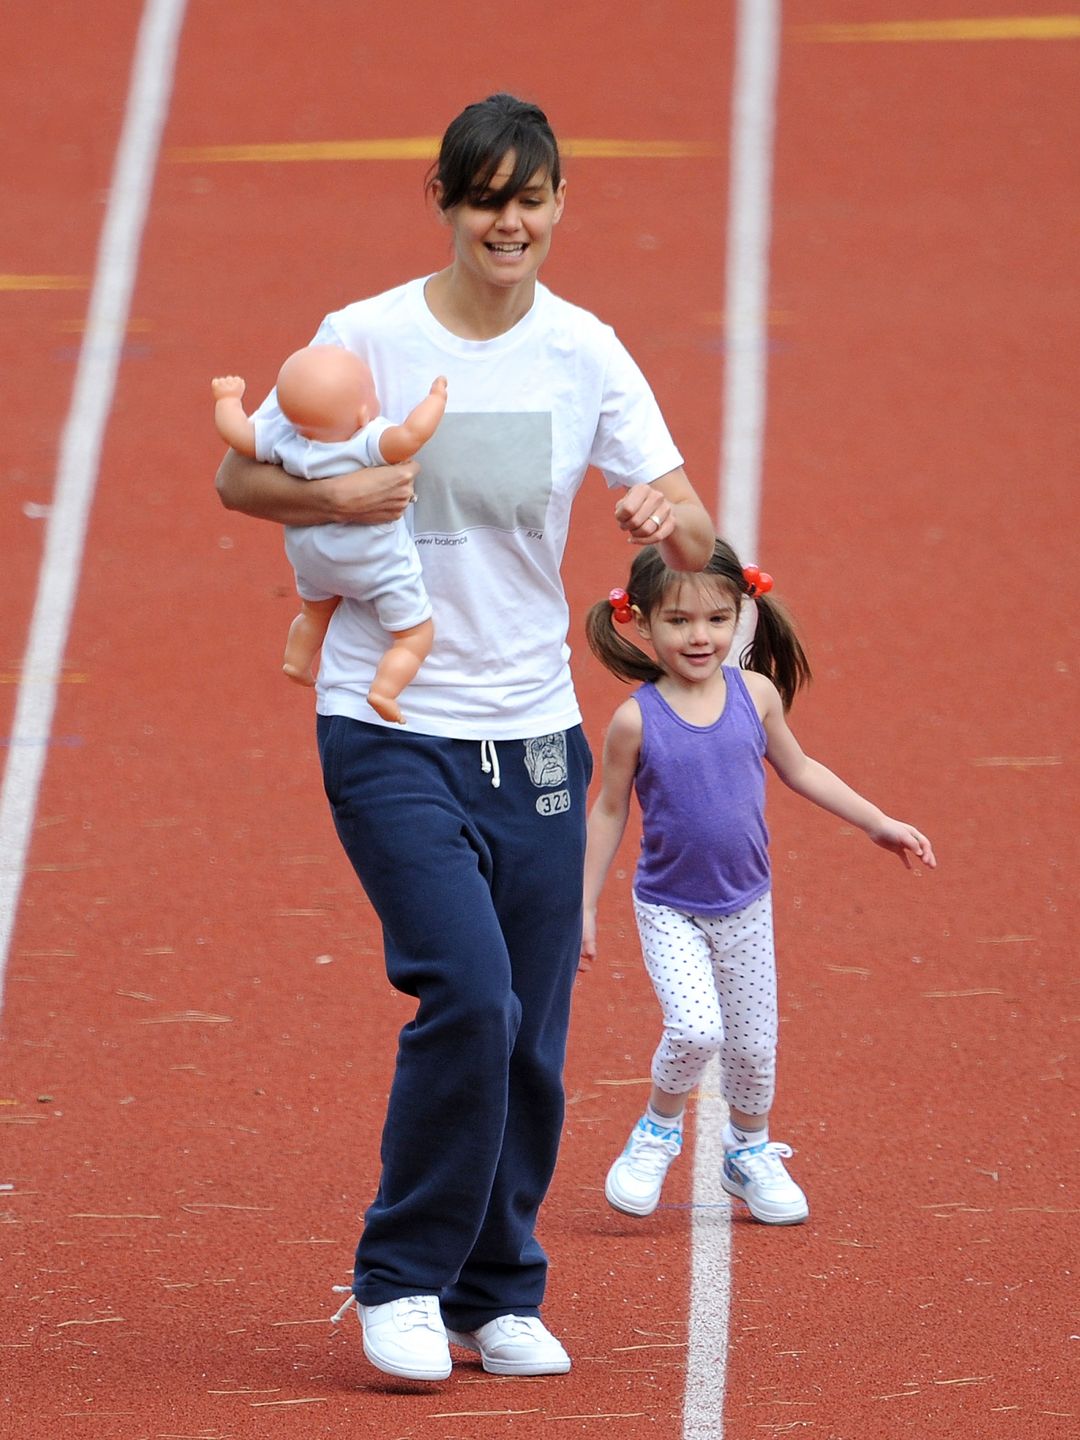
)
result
[(510, 251)]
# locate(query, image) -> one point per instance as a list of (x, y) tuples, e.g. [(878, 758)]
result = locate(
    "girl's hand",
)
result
[(374, 496), (903, 840), (645, 514)]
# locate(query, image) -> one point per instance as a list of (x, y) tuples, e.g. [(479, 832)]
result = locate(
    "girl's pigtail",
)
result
[(614, 653), (776, 651)]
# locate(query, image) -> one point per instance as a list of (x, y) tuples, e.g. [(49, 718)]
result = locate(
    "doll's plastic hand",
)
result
[(228, 387), (439, 387), (645, 515), (377, 495), (903, 840)]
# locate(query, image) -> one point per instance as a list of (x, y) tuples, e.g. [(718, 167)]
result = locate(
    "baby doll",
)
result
[(327, 395)]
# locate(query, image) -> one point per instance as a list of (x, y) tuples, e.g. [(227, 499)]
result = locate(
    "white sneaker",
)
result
[(514, 1345), (407, 1338), (757, 1175), (635, 1180)]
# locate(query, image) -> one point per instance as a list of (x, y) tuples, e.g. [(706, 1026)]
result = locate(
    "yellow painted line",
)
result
[(420, 148), (424, 147), (44, 282), (1020, 27), (15, 677), (639, 149)]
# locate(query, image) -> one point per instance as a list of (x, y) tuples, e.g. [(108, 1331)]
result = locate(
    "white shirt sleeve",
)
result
[(632, 444)]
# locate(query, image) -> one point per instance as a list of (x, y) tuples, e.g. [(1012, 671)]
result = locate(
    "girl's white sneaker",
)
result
[(757, 1175), (635, 1180)]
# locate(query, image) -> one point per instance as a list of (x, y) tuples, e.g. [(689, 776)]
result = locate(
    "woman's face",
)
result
[(506, 245)]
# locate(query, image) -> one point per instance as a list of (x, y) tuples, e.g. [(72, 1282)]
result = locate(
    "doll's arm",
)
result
[(232, 423), (401, 442)]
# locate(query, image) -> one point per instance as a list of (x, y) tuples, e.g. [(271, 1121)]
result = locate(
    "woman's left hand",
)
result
[(645, 514)]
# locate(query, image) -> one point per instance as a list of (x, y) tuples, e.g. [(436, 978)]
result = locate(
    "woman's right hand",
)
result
[(377, 495)]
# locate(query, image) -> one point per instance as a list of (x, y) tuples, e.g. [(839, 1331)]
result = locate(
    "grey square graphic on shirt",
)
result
[(485, 470)]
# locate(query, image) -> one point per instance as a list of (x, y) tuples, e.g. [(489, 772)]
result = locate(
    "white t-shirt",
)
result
[(527, 414)]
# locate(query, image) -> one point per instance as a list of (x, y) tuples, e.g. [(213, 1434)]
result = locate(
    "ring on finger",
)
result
[(657, 522)]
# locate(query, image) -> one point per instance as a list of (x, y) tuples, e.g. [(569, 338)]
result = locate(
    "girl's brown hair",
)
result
[(774, 650)]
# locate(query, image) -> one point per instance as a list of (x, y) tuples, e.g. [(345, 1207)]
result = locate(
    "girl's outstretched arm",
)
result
[(608, 816), (811, 779)]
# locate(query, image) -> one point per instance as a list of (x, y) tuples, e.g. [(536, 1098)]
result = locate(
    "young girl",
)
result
[(690, 742)]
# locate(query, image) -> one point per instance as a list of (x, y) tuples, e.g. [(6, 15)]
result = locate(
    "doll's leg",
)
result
[(408, 651), (306, 635)]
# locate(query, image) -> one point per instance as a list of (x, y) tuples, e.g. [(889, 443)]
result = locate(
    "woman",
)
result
[(466, 827)]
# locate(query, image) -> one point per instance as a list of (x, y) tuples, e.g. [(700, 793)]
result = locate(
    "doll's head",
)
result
[(326, 393)]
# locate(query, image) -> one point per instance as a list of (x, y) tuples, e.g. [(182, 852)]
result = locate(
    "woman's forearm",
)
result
[(690, 545), (375, 496), (681, 528), (268, 493)]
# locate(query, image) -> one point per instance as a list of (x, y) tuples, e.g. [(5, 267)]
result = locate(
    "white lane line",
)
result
[(80, 444), (757, 43)]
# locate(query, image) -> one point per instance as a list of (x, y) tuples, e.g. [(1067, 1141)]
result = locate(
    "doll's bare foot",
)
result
[(299, 674), (386, 706)]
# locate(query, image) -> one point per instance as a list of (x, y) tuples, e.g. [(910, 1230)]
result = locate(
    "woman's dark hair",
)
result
[(478, 140), (774, 650)]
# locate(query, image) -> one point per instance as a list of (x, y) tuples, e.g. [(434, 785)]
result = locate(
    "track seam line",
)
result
[(80, 445)]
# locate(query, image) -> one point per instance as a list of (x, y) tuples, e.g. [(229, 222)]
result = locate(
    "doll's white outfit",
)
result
[(375, 564)]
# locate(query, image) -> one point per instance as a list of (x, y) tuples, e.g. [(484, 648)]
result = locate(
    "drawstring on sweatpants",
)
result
[(489, 761)]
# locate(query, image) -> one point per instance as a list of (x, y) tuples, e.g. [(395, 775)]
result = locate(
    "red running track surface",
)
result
[(197, 1033)]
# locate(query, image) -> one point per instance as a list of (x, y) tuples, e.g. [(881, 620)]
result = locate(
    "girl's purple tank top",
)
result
[(704, 845)]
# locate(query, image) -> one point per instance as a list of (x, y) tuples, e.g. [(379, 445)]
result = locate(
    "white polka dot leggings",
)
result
[(715, 978)]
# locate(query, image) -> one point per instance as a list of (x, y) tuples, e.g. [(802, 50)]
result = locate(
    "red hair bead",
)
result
[(757, 581), (620, 605)]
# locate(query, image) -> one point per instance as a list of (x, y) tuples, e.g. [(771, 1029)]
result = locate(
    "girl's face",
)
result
[(505, 245), (692, 630)]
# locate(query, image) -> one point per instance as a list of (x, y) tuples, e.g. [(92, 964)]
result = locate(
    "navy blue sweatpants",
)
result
[(478, 888)]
